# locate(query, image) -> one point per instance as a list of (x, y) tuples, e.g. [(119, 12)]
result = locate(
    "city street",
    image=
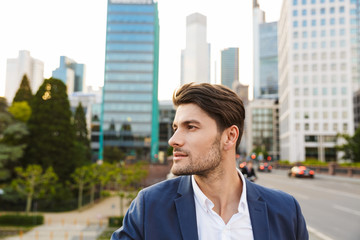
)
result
[(331, 205)]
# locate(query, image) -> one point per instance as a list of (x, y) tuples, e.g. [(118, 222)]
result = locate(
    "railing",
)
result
[(330, 169)]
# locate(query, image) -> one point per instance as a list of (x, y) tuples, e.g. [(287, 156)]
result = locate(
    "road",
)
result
[(331, 205)]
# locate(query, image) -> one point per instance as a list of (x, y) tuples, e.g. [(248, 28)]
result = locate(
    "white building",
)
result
[(195, 58), (315, 77), (15, 70)]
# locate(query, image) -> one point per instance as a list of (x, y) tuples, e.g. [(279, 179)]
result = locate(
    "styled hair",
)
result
[(219, 102)]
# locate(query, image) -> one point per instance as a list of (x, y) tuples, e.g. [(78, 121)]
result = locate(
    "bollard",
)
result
[(49, 221), (87, 222), (21, 234), (62, 222), (66, 235), (81, 236), (36, 235), (75, 221), (100, 223), (51, 235)]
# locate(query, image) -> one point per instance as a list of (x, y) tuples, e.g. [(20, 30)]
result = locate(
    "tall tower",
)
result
[(229, 66), (195, 58), (71, 73), (15, 70), (265, 56), (316, 77), (130, 95)]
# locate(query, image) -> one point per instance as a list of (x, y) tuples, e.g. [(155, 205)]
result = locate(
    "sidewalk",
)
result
[(85, 225)]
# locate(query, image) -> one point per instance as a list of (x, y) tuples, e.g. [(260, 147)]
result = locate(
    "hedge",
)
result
[(21, 220), (115, 221)]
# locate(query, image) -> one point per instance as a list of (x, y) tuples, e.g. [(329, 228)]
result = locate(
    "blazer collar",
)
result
[(258, 212), (185, 207)]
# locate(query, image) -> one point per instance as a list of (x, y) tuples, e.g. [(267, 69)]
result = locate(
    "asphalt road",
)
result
[(330, 204)]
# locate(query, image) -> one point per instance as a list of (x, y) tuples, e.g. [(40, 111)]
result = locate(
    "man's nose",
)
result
[(176, 140)]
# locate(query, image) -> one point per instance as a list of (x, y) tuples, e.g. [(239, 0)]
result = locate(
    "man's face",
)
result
[(196, 142)]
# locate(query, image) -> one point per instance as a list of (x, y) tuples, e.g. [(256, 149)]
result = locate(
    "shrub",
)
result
[(116, 221), (21, 220)]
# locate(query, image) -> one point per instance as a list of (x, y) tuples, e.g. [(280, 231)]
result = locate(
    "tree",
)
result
[(12, 141), (51, 140), (21, 111), (32, 182), (24, 92), (351, 148), (81, 177), (81, 134), (113, 154)]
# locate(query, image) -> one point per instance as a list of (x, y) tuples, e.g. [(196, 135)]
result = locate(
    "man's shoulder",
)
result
[(167, 188), (269, 194)]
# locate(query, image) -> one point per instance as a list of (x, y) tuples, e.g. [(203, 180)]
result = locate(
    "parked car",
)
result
[(301, 171), (264, 167)]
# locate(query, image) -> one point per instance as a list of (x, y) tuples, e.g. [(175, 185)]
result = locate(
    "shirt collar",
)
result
[(206, 203)]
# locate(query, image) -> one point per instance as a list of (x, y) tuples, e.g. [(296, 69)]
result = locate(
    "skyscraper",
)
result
[(316, 77), (265, 55), (195, 58), (71, 73), (229, 66), (130, 94), (15, 70)]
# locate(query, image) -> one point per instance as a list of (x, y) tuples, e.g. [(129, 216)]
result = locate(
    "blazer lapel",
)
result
[(185, 207), (258, 213)]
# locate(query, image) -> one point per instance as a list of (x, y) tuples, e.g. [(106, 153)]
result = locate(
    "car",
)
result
[(264, 167), (301, 172)]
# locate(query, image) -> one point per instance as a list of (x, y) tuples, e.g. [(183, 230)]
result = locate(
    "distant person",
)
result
[(211, 199), (249, 172)]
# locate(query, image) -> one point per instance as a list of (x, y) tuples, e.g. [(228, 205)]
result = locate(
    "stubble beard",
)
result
[(201, 165)]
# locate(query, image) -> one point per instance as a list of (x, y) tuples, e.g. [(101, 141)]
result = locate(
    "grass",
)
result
[(106, 234)]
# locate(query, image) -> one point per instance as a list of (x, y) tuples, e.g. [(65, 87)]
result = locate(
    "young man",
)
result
[(211, 199)]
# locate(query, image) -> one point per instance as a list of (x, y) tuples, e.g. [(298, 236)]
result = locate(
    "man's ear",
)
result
[(230, 136)]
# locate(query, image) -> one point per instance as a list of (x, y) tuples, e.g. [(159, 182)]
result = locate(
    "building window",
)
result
[(325, 115), (297, 126), (345, 127), (297, 91), (342, 20), (333, 55), (316, 115), (325, 126), (313, 33), (306, 91), (343, 66), (344, 115), (313, 22), (297, 103), (313, 1), (343, 103), (342, 32), (316, 126), (324, 103), (343, 90), (332, 21), (304, 56), (332, 32), (334, 102), (296, 45), (313, 11), (295, 2), (323, 44), (314, 55), (304, 23), (323, 55), (335, 127), (334, 115), (295, 24), (333, 91), (303, 12), (333, 67), (342, 9), (305, 45), (322, 22), (295, 34), (323, 33), (324, 91), (307, 126), (315, 104), (315, 91), (332, 10), (296, 57), (295, 13)]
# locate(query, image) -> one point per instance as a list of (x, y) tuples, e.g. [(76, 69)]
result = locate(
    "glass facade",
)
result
[(229, 66), (268, 60), (130, 93)]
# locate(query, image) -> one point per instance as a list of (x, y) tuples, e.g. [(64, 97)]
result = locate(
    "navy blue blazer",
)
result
[(166, 211)]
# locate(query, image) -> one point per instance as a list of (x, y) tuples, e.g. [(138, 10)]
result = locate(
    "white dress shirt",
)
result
[(212, 227)]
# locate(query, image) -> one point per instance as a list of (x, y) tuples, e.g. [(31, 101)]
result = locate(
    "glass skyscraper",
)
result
[(130, 94), (229, 66)]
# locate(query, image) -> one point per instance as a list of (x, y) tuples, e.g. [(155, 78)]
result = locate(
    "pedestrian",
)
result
[(210, 199), (249, 172)]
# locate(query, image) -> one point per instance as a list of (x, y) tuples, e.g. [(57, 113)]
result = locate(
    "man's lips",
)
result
[(179, 154)]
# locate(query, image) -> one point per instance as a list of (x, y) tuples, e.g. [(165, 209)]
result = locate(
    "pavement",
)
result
[(87, 224)]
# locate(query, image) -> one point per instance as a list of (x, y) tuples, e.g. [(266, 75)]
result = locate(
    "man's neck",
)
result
[(224, 190)]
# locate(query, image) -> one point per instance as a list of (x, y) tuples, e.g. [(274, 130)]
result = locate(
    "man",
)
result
[(211, 199)]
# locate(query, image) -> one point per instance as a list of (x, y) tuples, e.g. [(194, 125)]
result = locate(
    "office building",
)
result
[(130, 95), (229, 66), (265, 55), (16, 68), (195, 58), (72, 74), (316, 77), (262, 120), (357, 109)]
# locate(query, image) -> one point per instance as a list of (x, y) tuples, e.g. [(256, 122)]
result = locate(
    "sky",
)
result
[(77, 29)]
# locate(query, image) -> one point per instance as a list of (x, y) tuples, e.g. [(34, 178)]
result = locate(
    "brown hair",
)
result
[(218, 101)]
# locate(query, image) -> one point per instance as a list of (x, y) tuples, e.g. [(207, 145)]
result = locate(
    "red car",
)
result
[(264, 167), (301, 171)]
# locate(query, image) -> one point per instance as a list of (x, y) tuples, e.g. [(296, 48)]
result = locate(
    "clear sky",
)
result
[(77, 29)]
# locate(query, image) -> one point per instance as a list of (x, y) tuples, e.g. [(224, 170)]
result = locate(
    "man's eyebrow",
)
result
[(187, 122)]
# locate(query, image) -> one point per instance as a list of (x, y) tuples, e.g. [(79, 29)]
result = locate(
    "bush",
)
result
[(21, 220), (116, 221)]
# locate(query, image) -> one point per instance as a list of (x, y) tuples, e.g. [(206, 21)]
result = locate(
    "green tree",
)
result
[(12, 141), (113, 154), (51, 140), (24, 92), (81, 133), (33, 183), (21, 111), (81, 176), (351, 148)]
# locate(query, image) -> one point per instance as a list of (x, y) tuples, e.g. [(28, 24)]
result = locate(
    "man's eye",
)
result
[(191, 127)]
